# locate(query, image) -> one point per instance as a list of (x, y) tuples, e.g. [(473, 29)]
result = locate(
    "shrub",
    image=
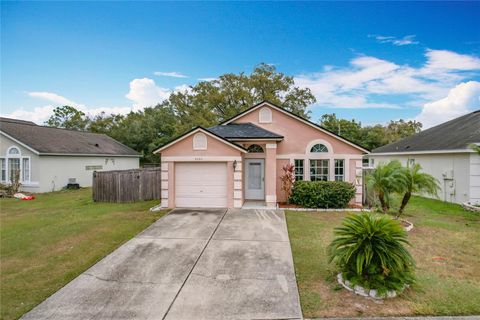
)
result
[(385, 180), (370, 251), (322, 194)]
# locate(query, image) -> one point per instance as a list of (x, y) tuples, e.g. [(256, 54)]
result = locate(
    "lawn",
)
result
[(47, 242), (445, 245)]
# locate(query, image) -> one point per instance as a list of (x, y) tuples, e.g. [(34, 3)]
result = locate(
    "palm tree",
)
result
[(417, 182), (386, 179)]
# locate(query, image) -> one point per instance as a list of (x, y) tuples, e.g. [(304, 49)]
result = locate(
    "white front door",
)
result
[(201, 184), (255, 179)]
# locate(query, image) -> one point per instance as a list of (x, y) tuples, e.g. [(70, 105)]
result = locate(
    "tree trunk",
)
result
[(406, 198), (384, 205)]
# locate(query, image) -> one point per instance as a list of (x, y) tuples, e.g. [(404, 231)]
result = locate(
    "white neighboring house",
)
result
[(442, 151), (50, 158)]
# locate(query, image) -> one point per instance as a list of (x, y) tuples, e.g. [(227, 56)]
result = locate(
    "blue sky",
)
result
[(370, 61)]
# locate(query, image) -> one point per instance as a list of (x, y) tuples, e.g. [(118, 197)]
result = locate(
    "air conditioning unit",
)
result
[(72, 184)]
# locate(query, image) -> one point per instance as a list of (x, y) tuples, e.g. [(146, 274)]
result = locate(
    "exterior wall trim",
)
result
[(305, 121), (20, 143), (208, 133), (372, 154), (200, 159)]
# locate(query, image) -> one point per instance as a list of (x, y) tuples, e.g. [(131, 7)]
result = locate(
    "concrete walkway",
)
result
[(190, 264)]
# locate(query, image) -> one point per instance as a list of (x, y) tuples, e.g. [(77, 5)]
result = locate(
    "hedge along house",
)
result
[(239, 162), (50, 158)]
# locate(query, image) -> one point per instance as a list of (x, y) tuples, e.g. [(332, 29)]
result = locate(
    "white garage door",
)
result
[(201, 184)]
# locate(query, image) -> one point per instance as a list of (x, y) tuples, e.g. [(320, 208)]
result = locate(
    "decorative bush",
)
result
[(370, 251), (322, 194)]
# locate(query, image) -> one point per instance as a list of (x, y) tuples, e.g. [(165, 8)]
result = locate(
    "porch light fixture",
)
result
[(234, 164)]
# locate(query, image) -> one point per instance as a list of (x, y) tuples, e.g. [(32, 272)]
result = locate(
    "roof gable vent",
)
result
[(265, 115), (200, 141)]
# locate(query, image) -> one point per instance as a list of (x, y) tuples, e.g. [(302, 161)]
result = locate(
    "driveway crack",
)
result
[(119, 281), (194, 264)]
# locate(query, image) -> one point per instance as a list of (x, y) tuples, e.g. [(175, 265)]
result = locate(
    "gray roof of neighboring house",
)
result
[(243, 131), (452, 135), (48, 140)]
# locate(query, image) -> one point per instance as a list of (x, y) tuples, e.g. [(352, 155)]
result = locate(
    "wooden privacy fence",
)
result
[(127, 185)]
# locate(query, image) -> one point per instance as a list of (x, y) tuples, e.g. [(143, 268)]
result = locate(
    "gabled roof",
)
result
[(239, 131), (455, 134), (297, 117), (54, 141), (207, 132)]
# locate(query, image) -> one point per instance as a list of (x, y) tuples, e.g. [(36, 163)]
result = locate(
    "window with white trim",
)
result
[(3, 164), (25, 169), (319, 148), (200, 141), (265, 115), (339, 170), (13, 168), (13, 151), (319, 169), (14, 163), (255, 148), (298, 163)]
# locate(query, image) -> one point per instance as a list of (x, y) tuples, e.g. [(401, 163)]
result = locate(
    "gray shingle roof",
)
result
[(452, 135), (243, 131), (62, 141)]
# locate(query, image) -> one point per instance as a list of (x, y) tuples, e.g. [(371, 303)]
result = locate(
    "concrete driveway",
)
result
[(190, 264)]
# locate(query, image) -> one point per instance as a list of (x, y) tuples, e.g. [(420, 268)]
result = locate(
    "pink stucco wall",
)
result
[(297, 135), (215, 148), (216, 151)]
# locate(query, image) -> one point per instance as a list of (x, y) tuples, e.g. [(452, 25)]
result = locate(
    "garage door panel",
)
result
[(201, 184), (200, 191), (200, 203)]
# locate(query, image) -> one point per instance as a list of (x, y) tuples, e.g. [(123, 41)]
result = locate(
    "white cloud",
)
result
[(406, 40), (170, 74), (461, 99), (144, 93), (39, 114), (449, 60), (53, 97), (369, 82)]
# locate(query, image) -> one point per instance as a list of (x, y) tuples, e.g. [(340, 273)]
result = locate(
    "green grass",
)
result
[(446, 248), (47, 242)]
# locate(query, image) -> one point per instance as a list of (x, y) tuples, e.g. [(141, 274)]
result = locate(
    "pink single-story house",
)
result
[(240, 161)]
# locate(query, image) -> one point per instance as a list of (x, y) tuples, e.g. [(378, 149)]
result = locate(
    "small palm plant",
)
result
[(384, 180), (416, 181), (370, 251)]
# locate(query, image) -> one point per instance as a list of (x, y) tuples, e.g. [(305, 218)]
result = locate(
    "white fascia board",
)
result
[(20, 143), (420, 152), (203, 131), (301, 120)]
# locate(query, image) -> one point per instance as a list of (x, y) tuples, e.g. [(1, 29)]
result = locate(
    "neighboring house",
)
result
[(241, 159), (443, 151), (49, 158)]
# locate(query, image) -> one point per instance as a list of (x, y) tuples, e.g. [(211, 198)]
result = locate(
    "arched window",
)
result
[(14, 163), (13, 151), (255, 148), (265, 115), (200, 141), (319, 148)]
